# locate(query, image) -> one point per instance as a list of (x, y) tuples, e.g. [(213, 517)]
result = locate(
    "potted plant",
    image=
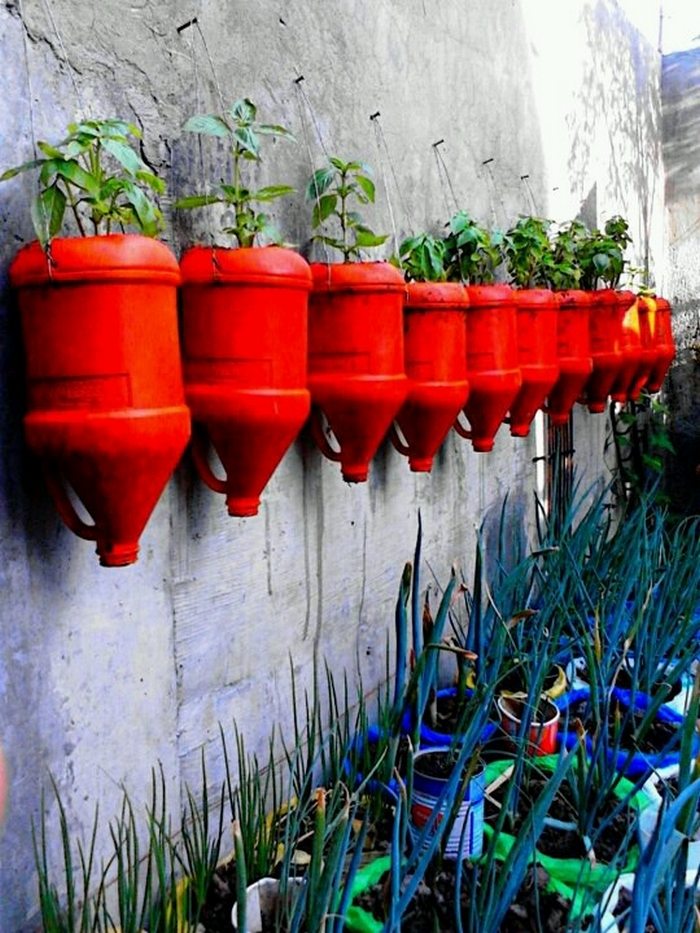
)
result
[(99, 320), (244, 323), (356, 351), (472, 256), (529, 260), (573, 341), (601, 258), (659, 311), (435, 351)]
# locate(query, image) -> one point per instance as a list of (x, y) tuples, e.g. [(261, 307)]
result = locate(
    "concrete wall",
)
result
[(681, 152), (102, 673)]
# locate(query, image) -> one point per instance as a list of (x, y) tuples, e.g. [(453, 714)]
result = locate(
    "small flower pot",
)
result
[(261, 902), (106, 409), (607, 345), (661, 329), (436, 365), (466, 835), (573, 350), (542, 737), (632, 354), (492, 363), (537, 313), (356, 359), (244, 326)]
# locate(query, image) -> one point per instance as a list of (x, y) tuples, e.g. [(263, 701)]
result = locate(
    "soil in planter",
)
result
[(449, 715), (515, 681), (656, 738), (624, 902), (432, 907), (562, 843)]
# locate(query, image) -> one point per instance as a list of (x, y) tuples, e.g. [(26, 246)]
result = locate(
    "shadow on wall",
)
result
[(618, 103), (680, 92)]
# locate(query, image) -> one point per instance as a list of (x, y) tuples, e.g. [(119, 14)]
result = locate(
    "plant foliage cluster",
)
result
[(620, 600)]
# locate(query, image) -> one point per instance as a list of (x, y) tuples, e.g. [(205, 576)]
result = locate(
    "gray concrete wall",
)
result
[(681, 152), (102, 673)]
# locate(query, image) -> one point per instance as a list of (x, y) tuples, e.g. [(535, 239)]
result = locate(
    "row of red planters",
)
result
[(264, 336)]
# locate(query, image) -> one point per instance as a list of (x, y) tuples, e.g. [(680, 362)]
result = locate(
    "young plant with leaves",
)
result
[(240, 129), (564, 270), (333, 189), (97, 174), (601, 255), (528, 252), (422, 258), (472, 253)]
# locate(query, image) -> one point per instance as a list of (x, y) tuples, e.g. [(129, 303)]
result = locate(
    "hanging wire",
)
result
[(71, 71), (495, 196), (214, 75), (32, 130), (442, 167), (305, 104), (525, 181), (381, 136), (200, 142), (374, 120)]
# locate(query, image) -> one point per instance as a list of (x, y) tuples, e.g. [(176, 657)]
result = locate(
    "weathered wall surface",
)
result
[(102, 673), (681, 152)]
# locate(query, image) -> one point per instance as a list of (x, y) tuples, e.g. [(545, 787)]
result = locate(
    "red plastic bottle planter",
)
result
[(492, 362), (436, 364), (647, 351), (244, 326), (106, 406), (662, 337), (537, 355), (607, 345), (622, 388), (356, 359), (573, 349)]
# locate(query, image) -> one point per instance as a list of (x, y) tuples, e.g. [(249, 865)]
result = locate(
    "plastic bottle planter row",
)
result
[(106, 406)]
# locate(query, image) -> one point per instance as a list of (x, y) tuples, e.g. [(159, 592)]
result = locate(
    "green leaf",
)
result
[(197, 200), (125, 155), (208, 124), (77, 175), (367, 186), (51, 151), (271, 192), (147, 215), (339, 164), (247, 141), (323, 209), (274, 129), (320, 181), (243, 110), (153, 182), (366, 238), (47, 212), (24, 167)]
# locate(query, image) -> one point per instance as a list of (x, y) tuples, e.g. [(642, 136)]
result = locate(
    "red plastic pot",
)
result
[(662, 336), (492, 362), (573, 350), (244, 328), (356, 359), (632, 356), (542, 734), (607, 343), (537, 310), (436, 365), (647, 351), (106, 407)]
